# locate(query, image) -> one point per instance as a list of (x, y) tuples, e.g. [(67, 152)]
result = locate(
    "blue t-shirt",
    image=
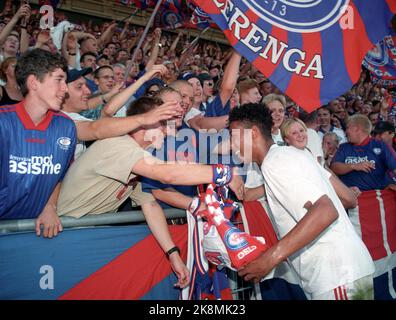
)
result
[(371, 150), (91, 85), (33, 159), (216, 109), (180, 148)]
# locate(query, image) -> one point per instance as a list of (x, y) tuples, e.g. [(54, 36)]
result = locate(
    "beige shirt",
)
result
[(100, 180)]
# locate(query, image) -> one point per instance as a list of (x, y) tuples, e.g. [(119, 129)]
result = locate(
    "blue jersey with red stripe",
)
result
[(34, 158), (371, 150)]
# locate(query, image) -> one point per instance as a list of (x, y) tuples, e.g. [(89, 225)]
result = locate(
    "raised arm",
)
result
[(120, 99), (155, 49), (23, 11), (106, 36), (230, 77)]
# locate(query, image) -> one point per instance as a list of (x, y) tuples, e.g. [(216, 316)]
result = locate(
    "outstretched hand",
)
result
[(167, 111)]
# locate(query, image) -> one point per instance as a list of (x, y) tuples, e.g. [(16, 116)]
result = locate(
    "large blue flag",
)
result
[(312, 50)]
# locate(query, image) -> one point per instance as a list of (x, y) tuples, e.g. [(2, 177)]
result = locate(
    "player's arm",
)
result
[(49, 218), (346, 195), (157, 223), (252, 194), (319, 216)]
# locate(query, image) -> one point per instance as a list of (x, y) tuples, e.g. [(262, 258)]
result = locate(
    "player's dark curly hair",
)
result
[(37, 62), (253, 114)]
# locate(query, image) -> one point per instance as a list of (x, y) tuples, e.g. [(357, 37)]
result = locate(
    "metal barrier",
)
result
[(8, 226)]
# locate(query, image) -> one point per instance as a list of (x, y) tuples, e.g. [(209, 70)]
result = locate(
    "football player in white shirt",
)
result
[(316, 236)]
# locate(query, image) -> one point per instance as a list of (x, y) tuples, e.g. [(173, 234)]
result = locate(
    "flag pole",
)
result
[(195, 40), (129, 67)]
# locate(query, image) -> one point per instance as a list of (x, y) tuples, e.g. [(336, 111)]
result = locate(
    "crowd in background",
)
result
[(220, 79)]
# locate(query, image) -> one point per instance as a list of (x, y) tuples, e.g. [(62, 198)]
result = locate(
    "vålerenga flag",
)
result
[(312, 50)]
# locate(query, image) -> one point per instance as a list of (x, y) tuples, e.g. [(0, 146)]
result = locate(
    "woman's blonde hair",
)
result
[(285, 127), (274, 97)]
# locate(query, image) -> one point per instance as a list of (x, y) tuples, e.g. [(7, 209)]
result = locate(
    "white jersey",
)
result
[(338, 256)]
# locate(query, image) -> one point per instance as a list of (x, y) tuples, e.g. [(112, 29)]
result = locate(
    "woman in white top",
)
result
[(276, 103)]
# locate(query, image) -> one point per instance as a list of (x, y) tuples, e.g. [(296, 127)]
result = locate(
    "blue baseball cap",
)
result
[(74, 74), (187, 76)]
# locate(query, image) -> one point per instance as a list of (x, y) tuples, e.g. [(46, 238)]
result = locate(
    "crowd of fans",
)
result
[(194, 87)]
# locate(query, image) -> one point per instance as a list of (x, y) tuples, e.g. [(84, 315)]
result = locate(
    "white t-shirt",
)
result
[(314, 143), (278, 139), (192, 113), (80, 146), (339, 132), (338, 256)]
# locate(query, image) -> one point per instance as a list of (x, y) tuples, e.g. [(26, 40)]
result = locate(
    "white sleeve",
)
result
[(76, 116), (192, 113), (254, 177)]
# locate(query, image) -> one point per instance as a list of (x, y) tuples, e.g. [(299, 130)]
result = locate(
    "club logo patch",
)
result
[(377, 151), (234, 240), (303, 16), (64, 143)]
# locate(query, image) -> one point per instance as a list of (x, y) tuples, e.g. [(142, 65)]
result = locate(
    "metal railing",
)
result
[(9, 226)]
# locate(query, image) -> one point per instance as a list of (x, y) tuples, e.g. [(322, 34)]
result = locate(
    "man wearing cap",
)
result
[(384, 131), (87, 129), (207, 87), (37, 143)]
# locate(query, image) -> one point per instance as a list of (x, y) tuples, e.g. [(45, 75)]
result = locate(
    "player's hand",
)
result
[(166, 111), (237, 185), (50, 221), (365, 166), (180, 269), (259, 268), (356, 191)]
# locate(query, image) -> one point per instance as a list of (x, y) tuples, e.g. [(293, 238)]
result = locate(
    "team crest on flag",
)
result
[(381, 62), (312, 50)]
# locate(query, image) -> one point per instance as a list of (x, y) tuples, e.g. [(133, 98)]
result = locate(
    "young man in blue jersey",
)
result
[(37, 143), (364, 162)]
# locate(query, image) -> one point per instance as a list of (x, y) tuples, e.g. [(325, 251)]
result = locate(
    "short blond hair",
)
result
[(361, 121), (285, 127), (274, 97)]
